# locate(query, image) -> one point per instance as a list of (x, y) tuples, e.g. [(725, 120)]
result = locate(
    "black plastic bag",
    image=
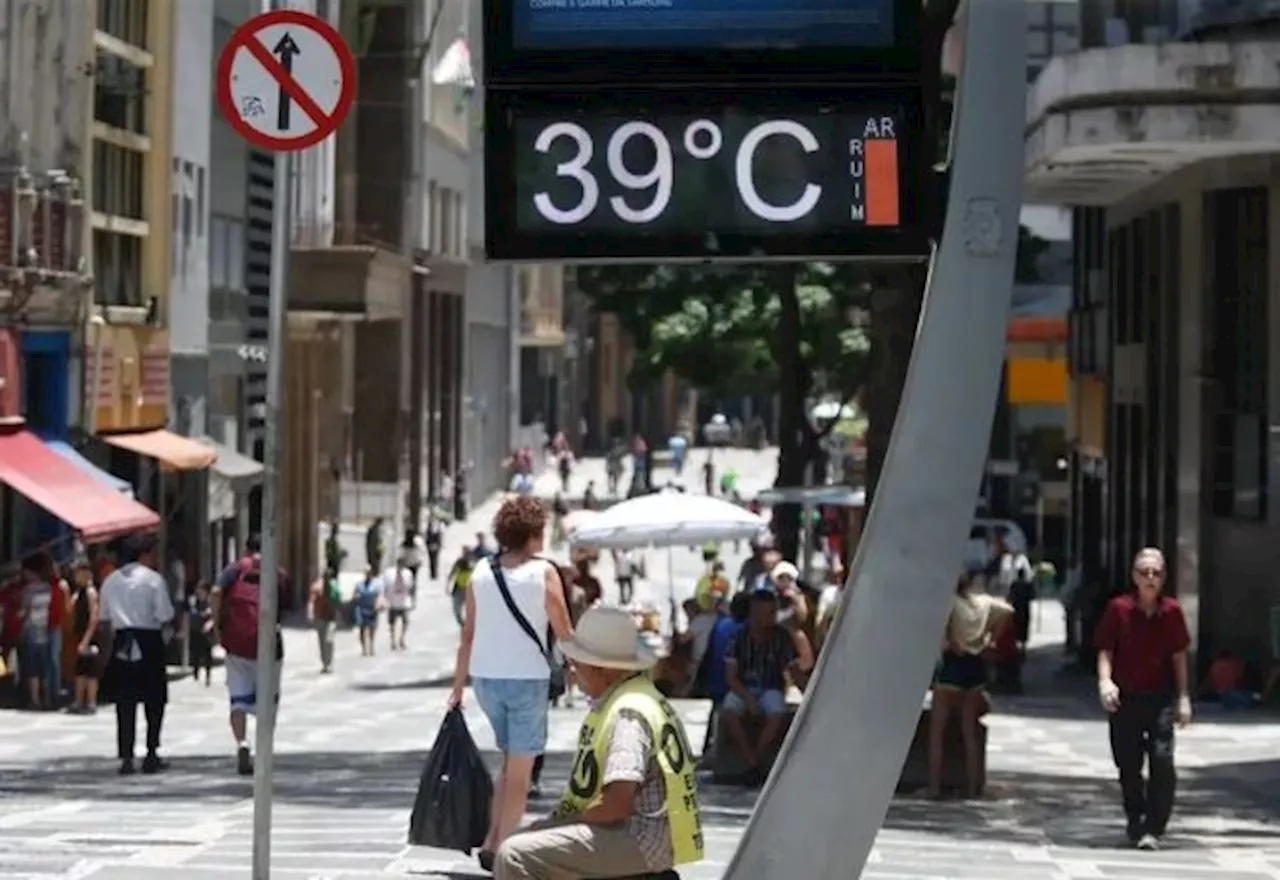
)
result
[(451, 810)]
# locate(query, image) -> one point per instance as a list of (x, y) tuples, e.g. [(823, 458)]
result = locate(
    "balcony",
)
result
[(351, 278), (1106, 123)]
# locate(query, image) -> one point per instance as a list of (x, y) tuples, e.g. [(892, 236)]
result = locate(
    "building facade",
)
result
[(1167, 150), (491, 411)]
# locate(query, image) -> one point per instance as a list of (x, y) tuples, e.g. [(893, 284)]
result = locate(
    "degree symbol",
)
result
[(713, 138)]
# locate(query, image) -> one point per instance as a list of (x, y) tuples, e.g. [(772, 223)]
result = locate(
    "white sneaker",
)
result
[(1148, 842)]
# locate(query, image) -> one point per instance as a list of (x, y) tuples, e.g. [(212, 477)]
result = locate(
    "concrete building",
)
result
[(1053, 28), (1168, 152), (491, 411), (46, 96)]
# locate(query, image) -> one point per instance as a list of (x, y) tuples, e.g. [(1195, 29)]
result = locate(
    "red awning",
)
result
[(85, 503)]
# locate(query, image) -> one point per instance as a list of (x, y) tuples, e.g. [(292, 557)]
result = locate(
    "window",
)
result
[(200, 206), (1239, 358), (226, 253), (218, 247), (433, 218), (235, 255), (117, 268), (1037, 42), (117, 181), (446, 222), (120, 94), (459, 225), (125, 20)]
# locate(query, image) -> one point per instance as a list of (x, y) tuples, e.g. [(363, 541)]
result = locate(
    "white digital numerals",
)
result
[(745, 174), (575, 169), (702, 141), (659, 176)]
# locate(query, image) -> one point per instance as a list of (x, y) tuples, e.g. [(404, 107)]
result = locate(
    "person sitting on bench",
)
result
[(760, 655)]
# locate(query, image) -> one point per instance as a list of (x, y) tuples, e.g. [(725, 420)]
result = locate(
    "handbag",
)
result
[(556, 684)]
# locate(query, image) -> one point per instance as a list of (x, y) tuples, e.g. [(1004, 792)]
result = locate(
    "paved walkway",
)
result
[(351, 746)]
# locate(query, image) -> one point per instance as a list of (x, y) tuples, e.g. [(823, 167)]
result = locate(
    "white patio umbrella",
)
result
[(668, 519)]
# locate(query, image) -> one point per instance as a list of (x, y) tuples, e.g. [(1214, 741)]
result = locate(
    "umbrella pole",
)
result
[(671, 589)]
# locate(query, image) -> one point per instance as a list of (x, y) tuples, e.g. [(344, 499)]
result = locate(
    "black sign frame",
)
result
[(506, 242), (506, 66)]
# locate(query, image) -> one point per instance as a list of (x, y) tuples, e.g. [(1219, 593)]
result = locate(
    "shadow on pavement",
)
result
[(332, 780), (1230, 805), (1227, 805)]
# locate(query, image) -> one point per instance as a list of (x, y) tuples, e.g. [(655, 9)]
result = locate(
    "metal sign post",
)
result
[(285, 82)]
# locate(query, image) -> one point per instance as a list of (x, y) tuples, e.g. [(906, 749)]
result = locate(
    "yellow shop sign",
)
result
[(127, 377)]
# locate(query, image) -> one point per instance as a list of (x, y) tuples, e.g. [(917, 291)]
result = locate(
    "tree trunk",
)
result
[(795, 437), (895, 309)]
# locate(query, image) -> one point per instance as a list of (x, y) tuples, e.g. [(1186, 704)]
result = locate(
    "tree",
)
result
[(734, 329)]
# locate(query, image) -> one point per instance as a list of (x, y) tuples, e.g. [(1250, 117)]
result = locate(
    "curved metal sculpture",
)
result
[(819, 813)]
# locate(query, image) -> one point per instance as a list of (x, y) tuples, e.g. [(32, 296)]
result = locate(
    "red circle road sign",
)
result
[(286, 80)]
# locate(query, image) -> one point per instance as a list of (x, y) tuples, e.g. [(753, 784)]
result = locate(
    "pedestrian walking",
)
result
[(1142, 644), (511, 602), (200, 631), (135, 600), (234, 602), (397, 587), (324, 605), (435, 543), (624, 567), (460, 582), (366, 606), (374, 544), (412, 554)]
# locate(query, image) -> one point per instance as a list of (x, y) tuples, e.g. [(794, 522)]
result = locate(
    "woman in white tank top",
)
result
[(508, 669)]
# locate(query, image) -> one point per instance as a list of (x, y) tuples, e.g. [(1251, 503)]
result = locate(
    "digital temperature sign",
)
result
[(618, 179)]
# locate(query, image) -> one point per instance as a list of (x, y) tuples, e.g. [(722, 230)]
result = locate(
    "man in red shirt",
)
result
[(1142, 682)]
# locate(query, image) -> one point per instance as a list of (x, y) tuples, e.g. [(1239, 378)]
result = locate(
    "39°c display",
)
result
[(701, 174)]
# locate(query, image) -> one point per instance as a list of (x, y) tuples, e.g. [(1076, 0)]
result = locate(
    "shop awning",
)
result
[(238, 469), (173, 451), (84, 502), (71, 454)]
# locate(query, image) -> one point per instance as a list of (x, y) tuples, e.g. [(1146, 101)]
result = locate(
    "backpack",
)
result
[(240, 612), (332, 592)]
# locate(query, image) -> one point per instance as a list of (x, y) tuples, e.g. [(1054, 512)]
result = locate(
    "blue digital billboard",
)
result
[(692, 25)]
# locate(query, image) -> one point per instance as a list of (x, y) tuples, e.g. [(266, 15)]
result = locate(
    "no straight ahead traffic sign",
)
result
[(286, 80)]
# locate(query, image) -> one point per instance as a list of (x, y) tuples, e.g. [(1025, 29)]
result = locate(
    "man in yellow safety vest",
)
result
[(631, 808)]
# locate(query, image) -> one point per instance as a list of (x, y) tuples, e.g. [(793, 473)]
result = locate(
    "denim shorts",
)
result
[(517, 711), (771, 702)]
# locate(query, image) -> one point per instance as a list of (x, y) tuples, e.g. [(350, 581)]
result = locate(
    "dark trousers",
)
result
[(433, 564), (143, 681), (536, 776), (127, 725), (1142, 730)]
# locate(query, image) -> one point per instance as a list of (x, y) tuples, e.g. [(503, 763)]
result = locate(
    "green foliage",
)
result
[(717, 327)]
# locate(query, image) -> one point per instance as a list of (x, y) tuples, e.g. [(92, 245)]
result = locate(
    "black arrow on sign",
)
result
[(285, 49)]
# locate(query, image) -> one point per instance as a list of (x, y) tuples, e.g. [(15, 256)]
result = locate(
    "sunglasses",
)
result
[(1149, 572)]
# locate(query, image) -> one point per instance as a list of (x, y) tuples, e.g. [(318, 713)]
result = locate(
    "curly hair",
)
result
[(518, 521)]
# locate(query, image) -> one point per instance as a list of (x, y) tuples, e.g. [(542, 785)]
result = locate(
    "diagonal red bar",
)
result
[(287, 82)]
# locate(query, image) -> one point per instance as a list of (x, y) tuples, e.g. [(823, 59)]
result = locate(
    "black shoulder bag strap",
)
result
[(556, 682), (496, 567)]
